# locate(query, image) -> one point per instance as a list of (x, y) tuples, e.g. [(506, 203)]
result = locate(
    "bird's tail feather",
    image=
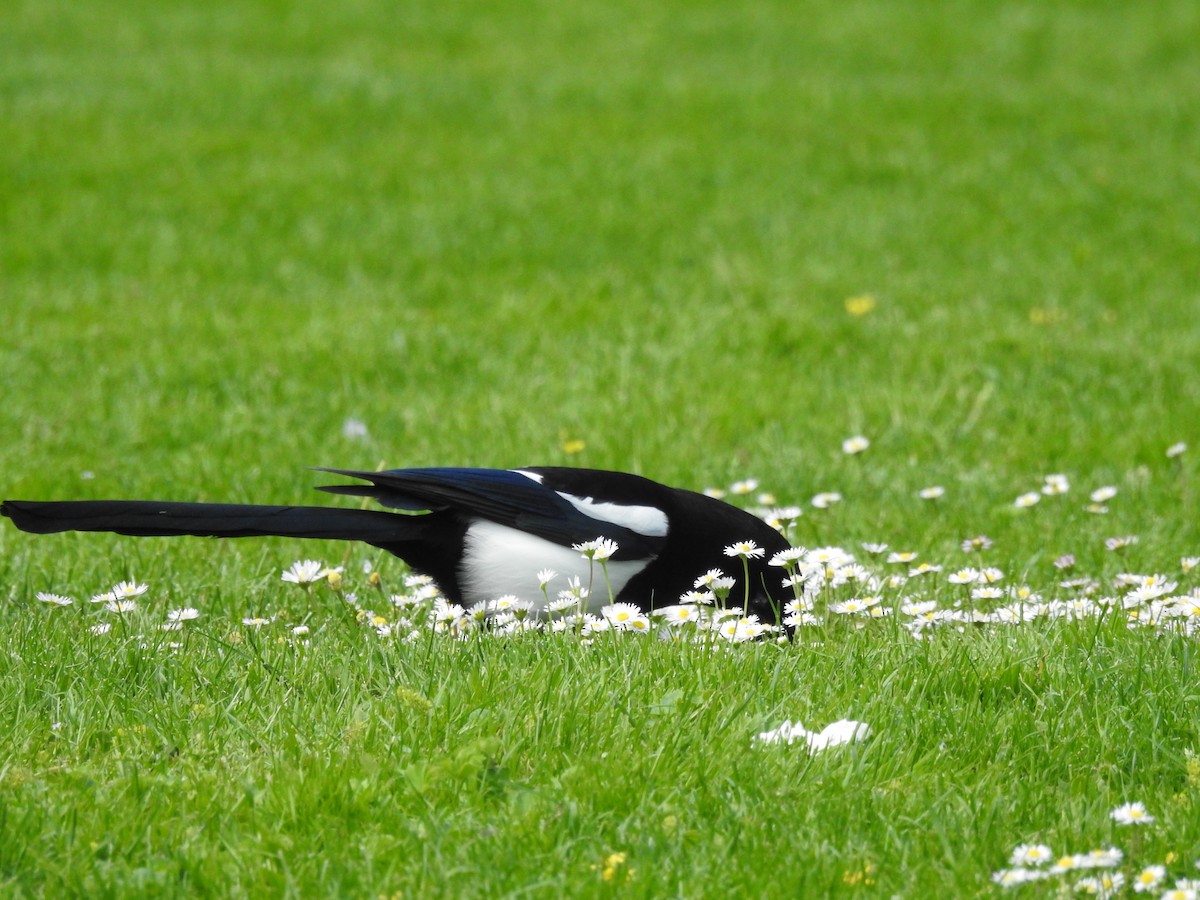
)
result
[(152, 518)]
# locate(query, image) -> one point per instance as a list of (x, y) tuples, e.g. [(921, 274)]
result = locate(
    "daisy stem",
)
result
[(607, 582), (746, 582)]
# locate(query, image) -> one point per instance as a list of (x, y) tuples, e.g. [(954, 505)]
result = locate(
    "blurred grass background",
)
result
[(488, 230)]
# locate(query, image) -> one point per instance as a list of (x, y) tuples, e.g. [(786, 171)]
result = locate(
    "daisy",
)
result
[(128, 589), (977, 543), (1013, 877), (826, 499), (1055, 484), (802, 604), (1176, 449), (715, 492), (991, 575), (683, 614), (619, 614), (53, 599), (1102, 885), (1188, 563), (798, 619), (788, 558), (1031, 855), (102, 628), (901, 557), (1149, 878), (1103, 494), (849, 572), (639, 624), (874, 549), (828, 556), (182, 615), (856, 444), (922, 569), (1024, 594), (1066, 561), (121, 606), (1131, 814), (965, 576), (856, 605), (303, 572), (1119, 543), (706, 580), (741, 488), (738, 630), (745, 550), (255, 621), (1026, 500), (782, 516), (933, 492), (987, 593), (918, 607), (599, 549), (722, 586)]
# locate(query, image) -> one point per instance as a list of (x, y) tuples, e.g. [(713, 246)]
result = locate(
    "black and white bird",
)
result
[(484, 533)]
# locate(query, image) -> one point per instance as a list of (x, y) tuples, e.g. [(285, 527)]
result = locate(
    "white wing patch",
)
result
[(499, 560), (647, 520)]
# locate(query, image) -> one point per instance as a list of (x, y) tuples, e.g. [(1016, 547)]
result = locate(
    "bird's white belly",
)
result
[(499, 560)]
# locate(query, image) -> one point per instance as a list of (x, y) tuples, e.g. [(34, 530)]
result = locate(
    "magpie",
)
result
[(484, 533)]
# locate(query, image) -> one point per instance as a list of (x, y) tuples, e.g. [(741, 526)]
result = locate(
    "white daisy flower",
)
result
[(1149, 878), (741, 488), (965, 576), (183, 614), (619, 614), (303, 572), (923, 569), (745, 550), (127, 590), (683, 614), (1055, 484), (598, 549), (905, 556), (933, 492), (1027, 499), (826, 499), (1176, 450), (788, 558), (977, 543), (1031, 855), (121, 606), (856, 444), (53, 599), (1131, 814), (1102, 494)]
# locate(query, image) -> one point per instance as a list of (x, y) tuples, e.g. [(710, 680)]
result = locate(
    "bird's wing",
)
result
[(514, 498)]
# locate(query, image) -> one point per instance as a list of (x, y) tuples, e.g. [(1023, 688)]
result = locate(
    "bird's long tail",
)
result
[(152, 518)]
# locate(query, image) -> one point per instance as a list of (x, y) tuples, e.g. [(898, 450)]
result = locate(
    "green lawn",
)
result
[(631, 236)]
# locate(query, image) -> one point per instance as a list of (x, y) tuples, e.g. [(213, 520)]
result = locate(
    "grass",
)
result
[(491, 230)]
